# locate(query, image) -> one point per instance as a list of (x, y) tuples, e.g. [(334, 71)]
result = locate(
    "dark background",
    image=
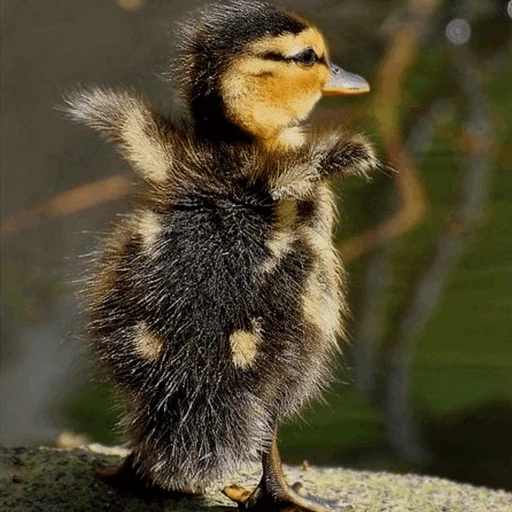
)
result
[(426, 380)]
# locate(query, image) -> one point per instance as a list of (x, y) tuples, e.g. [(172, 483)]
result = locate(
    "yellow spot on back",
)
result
[(147, 344), (279, 245), (149, 227), (244, 345)]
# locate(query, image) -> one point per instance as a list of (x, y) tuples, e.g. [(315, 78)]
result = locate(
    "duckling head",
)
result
[(253, 71)]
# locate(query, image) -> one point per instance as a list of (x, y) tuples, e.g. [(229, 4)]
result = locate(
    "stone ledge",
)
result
[(52, 480)]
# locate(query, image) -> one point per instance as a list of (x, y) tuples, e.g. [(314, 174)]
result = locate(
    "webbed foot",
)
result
[(273, 494), (287, 500)]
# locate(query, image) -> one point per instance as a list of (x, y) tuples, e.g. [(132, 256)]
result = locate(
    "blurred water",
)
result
[(35, 381)]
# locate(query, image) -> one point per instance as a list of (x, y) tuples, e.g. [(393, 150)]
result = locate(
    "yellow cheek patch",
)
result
[(147, 344), (255, 102), (267, 97)]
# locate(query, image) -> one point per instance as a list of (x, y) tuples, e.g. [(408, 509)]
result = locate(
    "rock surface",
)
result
[(52, 480)]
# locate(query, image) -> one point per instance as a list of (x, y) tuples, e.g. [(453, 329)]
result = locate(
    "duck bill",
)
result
[(343, 83)]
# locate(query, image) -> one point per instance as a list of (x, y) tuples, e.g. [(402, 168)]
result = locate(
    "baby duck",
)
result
[(217, 304)]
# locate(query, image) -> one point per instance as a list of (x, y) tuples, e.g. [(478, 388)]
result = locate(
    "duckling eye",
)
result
[(307, 57)]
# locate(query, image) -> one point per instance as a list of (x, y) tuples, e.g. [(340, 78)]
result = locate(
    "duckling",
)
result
[(217, 304)]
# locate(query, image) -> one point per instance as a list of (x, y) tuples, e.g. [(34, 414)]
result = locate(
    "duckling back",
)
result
[(206, 310)]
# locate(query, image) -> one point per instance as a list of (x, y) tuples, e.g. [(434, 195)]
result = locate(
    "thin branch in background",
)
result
[(371, 318), (396, 63), (475, 181), (371, 324), (398, 60), (71, 201)]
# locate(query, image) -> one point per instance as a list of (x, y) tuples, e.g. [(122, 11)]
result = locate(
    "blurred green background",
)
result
[(425, 383)]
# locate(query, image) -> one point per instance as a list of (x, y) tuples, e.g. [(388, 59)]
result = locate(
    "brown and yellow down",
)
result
[(217, 305)]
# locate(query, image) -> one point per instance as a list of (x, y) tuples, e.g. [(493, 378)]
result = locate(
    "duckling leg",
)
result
[(273, 493)]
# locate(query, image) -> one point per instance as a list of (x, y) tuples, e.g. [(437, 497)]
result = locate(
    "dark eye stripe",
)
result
[(277, 57)]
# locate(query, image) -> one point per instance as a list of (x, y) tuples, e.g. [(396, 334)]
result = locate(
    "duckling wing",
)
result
[(144, 137)]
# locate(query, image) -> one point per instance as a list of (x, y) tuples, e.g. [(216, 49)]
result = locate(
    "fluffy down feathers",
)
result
[(225, 238), (217, 304)]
